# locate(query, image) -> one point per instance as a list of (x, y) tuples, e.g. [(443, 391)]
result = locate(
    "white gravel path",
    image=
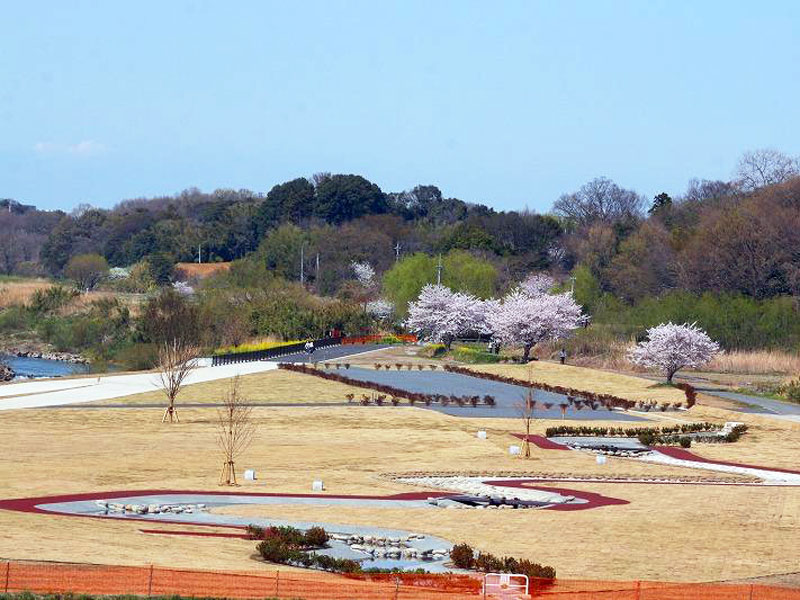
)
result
[(58, 392), (768, 477), (476, 486)]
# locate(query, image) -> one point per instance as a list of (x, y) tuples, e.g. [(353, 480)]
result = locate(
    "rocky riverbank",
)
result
[(59, 356), (6, 373)]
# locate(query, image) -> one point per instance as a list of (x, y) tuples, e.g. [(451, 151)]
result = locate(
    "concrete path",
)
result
[(757, 404), (507, 396), (59, 392), (43, 393)]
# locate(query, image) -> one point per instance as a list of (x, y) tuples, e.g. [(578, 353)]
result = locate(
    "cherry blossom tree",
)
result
[(440, 315), (537, 284), (670, 347), (380, 309), (364, 273), (526, 320)]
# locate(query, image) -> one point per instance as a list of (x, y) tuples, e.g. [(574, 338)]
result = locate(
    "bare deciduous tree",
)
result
[(176, 359), (599, 200), (764, 167), (235, 430)]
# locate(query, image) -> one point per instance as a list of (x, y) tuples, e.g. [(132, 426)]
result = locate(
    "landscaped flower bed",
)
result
[(253, 347)]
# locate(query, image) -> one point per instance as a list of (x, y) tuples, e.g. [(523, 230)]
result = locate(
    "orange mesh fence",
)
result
[(42, 577)]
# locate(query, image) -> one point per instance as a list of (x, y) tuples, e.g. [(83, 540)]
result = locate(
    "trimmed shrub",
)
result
[(316, 537), (463, 556)]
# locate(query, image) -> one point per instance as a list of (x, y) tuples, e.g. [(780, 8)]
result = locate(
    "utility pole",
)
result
[(439, 268), (302, 258), (316, 271), (572, 287), (199, 255), (397, 247)]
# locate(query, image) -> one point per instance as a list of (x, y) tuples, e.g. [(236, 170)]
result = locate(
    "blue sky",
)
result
[(505, 103)]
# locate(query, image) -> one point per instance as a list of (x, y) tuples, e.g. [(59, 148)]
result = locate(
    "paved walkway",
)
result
[(44, 393), (507, 396), (59, 392), (757, 404)]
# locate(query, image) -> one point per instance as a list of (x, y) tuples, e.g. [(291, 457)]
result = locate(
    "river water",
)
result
[(42, 367)]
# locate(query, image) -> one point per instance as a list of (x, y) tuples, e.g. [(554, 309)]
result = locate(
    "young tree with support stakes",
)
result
[(525, 410), (176, 359), (524, 319), (670, 348), (235, 430)]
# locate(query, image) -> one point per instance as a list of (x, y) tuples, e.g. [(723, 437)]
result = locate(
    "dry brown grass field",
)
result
[(666, 532), (270, 387), (201, 270), (760, 362), (19, 291)]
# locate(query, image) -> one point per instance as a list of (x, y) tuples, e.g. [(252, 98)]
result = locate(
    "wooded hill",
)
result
[(733, 240)]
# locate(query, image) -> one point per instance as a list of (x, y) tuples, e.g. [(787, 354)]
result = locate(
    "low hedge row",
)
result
[(585, 431), (465, 557), (607, 400), (385, 391), (652, 437)]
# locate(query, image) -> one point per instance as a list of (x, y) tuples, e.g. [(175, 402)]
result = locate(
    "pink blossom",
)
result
[(524, 319), (441, 315), (671, 347)]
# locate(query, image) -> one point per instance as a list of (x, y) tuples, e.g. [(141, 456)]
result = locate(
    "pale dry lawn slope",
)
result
[(738, 531), (270, 387), (587, 379)]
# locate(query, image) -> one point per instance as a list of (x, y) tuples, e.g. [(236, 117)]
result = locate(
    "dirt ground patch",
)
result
[(270, 387)]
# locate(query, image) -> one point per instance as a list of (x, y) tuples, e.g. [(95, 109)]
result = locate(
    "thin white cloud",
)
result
[(83, 148), (45, 147)]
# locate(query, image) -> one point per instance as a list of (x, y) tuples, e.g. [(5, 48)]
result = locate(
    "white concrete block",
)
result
[(601, 460), (481, 435), (249, 474), (317, 486), (514, 450)]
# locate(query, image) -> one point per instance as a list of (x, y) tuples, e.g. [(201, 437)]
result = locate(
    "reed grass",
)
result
[(756, 362)]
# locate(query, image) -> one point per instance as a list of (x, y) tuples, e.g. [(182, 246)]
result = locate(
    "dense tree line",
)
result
[(725, 240)]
